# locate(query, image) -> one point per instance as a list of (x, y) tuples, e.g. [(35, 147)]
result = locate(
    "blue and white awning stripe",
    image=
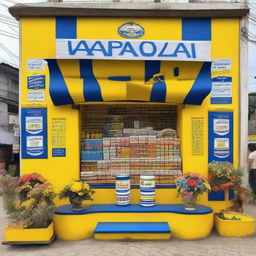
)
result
[(94, 81)]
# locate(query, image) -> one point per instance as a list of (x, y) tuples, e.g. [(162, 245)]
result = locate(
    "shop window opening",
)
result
[(129, 138)]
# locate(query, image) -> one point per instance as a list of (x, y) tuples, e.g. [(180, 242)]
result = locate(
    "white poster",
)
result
[(221, 126), (36, 96), (221, 147), (221, 82), (36, 64), (133, 49), (34, 124), (34, 141)]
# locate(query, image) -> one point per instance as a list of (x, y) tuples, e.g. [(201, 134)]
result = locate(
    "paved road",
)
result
[(211, 246)]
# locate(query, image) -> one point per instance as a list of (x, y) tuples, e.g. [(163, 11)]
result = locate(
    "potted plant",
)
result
[(77, 191), (232, 222), (219, 175), (28, 202), (190, 186)]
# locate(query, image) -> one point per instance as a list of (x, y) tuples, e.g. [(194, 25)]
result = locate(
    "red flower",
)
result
[(192, 182), (216, 188)]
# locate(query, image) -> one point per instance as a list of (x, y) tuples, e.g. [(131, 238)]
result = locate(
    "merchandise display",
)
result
[(124, 144)]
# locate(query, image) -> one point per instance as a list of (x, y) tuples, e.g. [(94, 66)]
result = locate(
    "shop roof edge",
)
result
[(124, 9)]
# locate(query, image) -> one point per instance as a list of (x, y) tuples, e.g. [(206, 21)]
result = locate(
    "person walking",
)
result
[(252, 166)]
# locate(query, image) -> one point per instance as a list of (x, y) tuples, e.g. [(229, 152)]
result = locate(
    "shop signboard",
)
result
[(34, 133), (133, 49), (220, 136)]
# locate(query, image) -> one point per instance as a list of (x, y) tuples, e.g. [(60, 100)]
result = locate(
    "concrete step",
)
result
[(132, 230)]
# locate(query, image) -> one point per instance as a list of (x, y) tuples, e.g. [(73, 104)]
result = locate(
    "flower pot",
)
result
[(235, 224), (29, 235), (76, 204)]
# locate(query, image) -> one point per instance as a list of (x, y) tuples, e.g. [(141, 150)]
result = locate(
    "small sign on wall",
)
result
[(36, 96), (34, 133), (36, 82), (221, 82), (220, 136), (58, 137), (197, 124)]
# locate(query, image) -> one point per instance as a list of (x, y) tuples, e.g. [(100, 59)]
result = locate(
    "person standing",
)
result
[(252, 166)]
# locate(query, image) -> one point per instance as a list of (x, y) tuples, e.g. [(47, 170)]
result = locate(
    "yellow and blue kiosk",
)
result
[(96, 73)]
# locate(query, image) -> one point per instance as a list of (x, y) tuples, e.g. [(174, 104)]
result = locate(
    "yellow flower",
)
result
[(207, 185), (86, 186), (28, 204), (77, 186), (17, 204), (80, 193)]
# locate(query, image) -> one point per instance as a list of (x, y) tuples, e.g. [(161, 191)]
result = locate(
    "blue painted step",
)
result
[(132, 227)]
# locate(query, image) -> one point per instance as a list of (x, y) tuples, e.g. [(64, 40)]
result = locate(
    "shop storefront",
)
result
[(110, 91)]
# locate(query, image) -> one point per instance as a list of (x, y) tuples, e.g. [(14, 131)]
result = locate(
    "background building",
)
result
[(9, 112)]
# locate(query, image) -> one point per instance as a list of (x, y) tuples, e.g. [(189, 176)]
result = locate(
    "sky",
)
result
[(9, 37)]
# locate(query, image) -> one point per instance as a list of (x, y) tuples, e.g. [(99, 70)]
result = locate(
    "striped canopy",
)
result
[(77, 81)]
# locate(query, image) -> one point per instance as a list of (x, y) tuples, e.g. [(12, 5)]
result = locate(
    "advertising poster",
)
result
[(36, 96), (36, 64), (220, 136), (36, 82), (197, 124), (58, 137), (34, 133), (221, 82)]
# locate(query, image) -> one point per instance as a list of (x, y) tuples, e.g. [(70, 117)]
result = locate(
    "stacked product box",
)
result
[(92, 150), (138, 151)]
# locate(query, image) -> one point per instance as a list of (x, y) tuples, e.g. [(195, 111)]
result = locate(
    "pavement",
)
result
[(213, 245)]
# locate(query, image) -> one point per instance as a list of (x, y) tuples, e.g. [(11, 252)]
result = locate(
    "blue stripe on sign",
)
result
[(58, 88), (201, 87), (151, 67), (158, 92), (92, 90), (66, 27), (198, 29)]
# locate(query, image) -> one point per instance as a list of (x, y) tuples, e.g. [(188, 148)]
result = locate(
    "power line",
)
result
[(11, 36)]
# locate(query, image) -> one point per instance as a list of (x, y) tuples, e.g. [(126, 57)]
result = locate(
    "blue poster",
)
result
[(36, 82), (58, 152), (220, 136), (34, 133)]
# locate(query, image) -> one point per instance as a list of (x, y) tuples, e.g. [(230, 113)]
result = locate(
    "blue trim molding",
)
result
[(133, 208), (66, 27), (198, 29)]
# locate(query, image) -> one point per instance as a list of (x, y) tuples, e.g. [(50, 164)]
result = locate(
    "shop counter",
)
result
[(71, 225)]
